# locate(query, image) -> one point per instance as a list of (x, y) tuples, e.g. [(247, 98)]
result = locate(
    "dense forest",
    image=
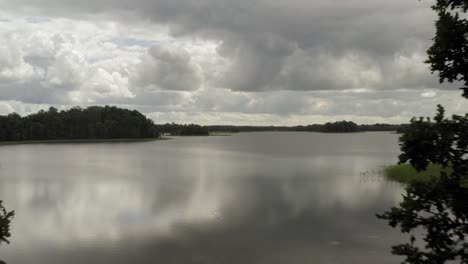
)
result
[(94, 122)]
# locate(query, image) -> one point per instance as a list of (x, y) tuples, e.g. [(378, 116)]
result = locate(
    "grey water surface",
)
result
[(265, 197)]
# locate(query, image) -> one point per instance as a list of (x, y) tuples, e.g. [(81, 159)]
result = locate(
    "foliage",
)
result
[(402, 129), (94, 122), (439, 206), (5, 219), (406, 174), (449, 52)]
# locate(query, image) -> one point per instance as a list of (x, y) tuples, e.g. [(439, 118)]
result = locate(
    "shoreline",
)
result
[(82, 141)]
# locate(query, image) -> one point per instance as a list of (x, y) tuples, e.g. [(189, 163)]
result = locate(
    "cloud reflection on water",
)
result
[(219, 207)]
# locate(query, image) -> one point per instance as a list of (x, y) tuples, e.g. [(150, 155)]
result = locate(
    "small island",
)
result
[(95, 123)]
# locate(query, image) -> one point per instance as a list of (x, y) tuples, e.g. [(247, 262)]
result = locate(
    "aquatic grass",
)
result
[(405, 173)]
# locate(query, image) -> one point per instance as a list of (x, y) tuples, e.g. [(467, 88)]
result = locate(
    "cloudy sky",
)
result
[(256, 62)]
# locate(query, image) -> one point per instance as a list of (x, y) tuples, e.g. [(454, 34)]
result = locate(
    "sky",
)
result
[(243, 62)]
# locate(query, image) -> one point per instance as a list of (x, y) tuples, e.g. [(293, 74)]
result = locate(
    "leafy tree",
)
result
[(5, 219), (438, 208), (449, 53)]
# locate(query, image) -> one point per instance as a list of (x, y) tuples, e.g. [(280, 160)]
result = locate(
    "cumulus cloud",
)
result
[(50, 64), (356, 58), (294, 45)]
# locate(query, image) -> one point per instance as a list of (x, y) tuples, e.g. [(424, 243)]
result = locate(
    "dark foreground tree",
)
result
[(448, 55), (438, 210), (5, 219)]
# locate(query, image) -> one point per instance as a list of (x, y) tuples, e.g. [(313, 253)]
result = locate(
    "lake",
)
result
[(265, 197)]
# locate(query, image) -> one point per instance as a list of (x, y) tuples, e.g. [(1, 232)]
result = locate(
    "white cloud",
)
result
[(317, 60)]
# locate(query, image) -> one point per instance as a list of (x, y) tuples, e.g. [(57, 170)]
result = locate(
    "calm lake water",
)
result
[(248, 198)]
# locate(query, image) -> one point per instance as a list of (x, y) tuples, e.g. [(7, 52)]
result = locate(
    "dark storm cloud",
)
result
[(292, 45)]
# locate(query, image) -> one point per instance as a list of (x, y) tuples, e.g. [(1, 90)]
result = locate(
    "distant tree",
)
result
[(438, 208), (194, 130), (309, 128), (184, 130), (383, 127), (341, 126)]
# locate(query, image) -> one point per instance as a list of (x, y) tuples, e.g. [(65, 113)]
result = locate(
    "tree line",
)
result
[(110, 122), (330, 127), (183, 129)]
